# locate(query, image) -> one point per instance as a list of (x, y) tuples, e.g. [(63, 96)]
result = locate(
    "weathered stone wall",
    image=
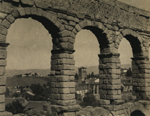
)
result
[(110, 11), (141, 79), (116, 110), (63, 82), (110, 83), (109, 20)]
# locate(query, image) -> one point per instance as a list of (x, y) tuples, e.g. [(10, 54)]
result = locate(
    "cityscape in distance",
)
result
[(44, 72)]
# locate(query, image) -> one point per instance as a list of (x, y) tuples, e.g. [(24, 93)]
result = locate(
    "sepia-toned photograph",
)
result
[(74, 58)]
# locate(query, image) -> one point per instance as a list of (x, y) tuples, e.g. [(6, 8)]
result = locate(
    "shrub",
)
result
[(78, 97), (37, 89), (15, 107), (89, 100), (129, 72)]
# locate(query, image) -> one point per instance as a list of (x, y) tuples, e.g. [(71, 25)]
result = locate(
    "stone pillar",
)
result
[(109, 75), (63, 82), (93, 89), (3, 56), (141, 77), (97, 89)]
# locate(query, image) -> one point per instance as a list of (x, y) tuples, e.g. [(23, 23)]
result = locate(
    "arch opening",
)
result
[(28, 54), (98, 39), (135, 44), (126, 54), (52, 29), (101, 37), (137, 113), (137, 53), (90, 42), (47, 24), (32, 44)]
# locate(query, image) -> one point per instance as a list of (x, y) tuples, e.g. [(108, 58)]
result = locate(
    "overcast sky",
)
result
[(30, 44)]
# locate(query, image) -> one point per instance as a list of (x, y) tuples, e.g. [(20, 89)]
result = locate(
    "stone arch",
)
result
[(103, 35), (62, 59), (100, 35), (128, 108), (135, 41), (109, 63), (139, 62), (48, 19), (7, 17), (136, 107), (97, 29)]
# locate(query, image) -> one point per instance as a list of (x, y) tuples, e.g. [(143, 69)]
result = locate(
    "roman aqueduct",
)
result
[(110, 21)]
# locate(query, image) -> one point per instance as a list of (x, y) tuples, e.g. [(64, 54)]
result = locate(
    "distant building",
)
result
[(126, 84), (81, 89), (82, 74), (123, 71), (17, 75), (93, 84), (28, 75), (14, 90)]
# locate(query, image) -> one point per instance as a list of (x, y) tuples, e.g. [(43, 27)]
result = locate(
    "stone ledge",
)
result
[(90, 111), (117, 102), (104, 102), (27, 2), (6, 113), (58, 108)]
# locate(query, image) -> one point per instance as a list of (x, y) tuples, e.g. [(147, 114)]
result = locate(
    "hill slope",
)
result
[(12, 72), (24, 81)]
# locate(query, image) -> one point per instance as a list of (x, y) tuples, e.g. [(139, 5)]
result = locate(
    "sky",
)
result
[(31, 44)]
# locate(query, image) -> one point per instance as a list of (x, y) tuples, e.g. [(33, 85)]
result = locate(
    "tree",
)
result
[(47, 90), (21, 88), (42, 93), (36, 74), (78, 97), (16, 95), (44, 86), (37, 89), (46, 93), (76, 76), (7, 92), (27, 86), (92, 74), (129, 72), (89, 100), (48, 84), (89, 76), (15, 107)]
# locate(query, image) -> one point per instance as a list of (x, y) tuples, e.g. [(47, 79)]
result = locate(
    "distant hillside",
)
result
[(24, 81), (12, 72), (126, 65), (95, 69)]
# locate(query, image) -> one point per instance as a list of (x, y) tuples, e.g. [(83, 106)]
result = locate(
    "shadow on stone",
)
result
[(137, 113)]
